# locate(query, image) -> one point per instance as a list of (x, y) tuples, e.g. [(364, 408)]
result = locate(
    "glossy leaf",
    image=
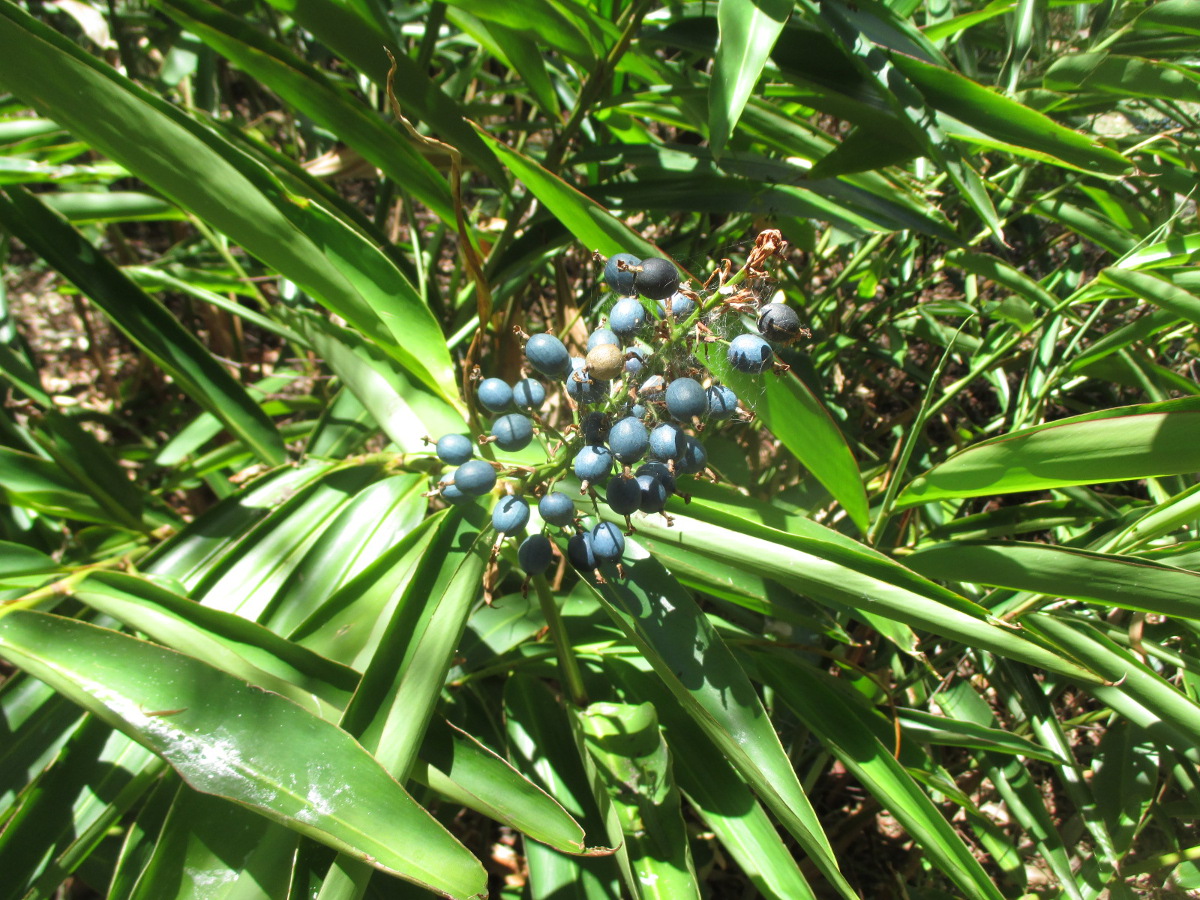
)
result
[(1108, 445), (748, 32), (209, 726)]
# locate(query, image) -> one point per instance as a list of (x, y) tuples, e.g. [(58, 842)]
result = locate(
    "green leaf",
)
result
[(748, 32), (1157, 290), (847, 579), (459, 767), (954, 732), (38, 484), (832, 712), (213, 729), (306, 88), (1126, 76), (1007, 120), (800, 421), (634, 765), (593, 226), (1065, 572), (1169, 15), (141, 318), (1107, 445), (665, 624)]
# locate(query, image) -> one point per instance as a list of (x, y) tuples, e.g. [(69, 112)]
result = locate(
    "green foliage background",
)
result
[(933, 632)]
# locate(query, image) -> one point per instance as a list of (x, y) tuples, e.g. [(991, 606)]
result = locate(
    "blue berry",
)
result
[(494, 395), (635, 361), (685, 399), (510, 515), (583, 388), (779, 323), (454, 449), (658, 280), (629, 440), (449, 490), (722, 402), (618, 280), (602, 336), (626, 317), (638, 411), (623, 495), (749, 353), (678, 306), (661, 471), (534, 554), (693, 458), (607, 541), (667, 442), (548, 355), (654, 493), (595, 427), (529, 394), (556, 508), (593, 462), (475, 478), (581, 552), (512, 432)]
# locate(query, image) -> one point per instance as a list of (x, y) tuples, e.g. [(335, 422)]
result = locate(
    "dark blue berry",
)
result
[(607, 541), (693, 458), (685, 399), (454, 449), (512, 432), (581, 553), (449, 490), (678, 306), (658, 280), (779, 323), (722, 402), (749, 353), (595, 427), (626, 317), (661, 471), (654, 493), (667, 442), (593, 462), (529, 394), (623, 495), (600, 337), (548, 355), (556, 508), (510, 515), (635, 361), (494, 395), (629, 440), (534, 554), (619, 280), (583, 388), (475, 478)]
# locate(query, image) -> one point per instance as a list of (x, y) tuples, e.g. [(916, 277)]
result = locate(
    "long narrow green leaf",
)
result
[(804, 426), (850, 580), (230, 739), (1107, 445), (831, 712), (665, 624), (1065, 572), (748, 32), (1007, 120)]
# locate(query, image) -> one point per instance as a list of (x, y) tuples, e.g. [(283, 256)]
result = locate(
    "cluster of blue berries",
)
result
[(640, 399)]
